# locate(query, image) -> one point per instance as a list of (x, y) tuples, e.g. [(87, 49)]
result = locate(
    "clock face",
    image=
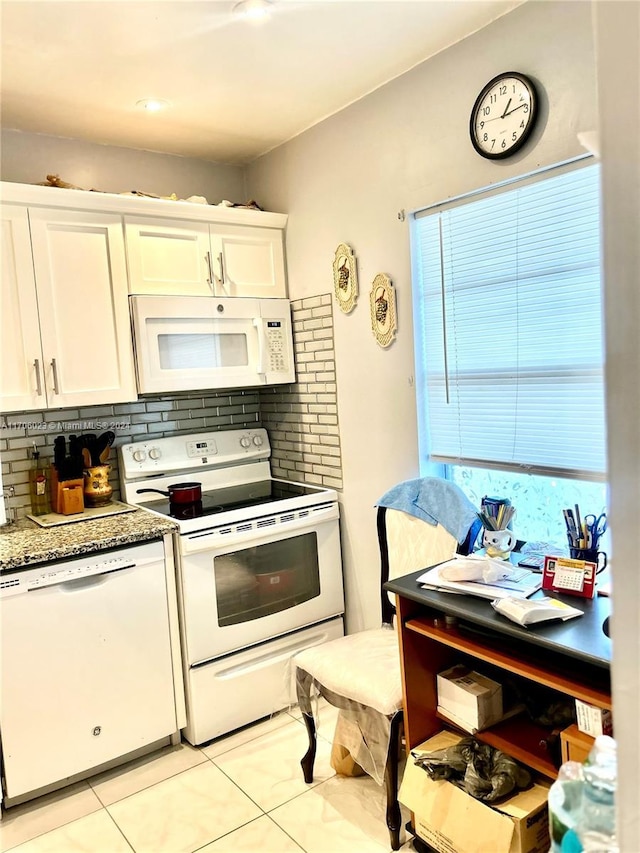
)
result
[(503, 115)]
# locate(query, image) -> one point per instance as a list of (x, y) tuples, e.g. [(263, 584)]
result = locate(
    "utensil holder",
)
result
[(97, 489)]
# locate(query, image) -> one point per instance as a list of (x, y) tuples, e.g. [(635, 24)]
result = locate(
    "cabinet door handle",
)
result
[(221, 262), (54, 368), (36, 367), (211, 279)]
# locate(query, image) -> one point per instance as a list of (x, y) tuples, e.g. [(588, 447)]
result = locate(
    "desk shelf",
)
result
[(428, 647), (578, 683)]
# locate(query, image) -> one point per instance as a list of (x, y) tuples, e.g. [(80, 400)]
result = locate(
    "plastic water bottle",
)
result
[(565, 799), (596, 828)]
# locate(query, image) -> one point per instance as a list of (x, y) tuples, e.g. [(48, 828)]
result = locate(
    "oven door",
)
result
[(254, 580)]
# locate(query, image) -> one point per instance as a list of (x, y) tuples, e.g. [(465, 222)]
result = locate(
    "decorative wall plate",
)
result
[(345, 279), (383, 309)]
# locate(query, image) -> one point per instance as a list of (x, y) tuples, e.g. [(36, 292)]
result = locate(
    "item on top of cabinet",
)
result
[(56, 181), (382, 300), (38, 484), (97, 489), (345, 278)]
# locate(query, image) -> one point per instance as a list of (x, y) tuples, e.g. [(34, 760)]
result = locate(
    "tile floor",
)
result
[(243, 792)]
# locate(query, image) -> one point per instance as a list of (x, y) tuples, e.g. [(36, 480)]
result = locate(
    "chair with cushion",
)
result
[(360, 673)]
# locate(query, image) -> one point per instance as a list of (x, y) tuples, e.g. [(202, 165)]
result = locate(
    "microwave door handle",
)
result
[(261, 345)]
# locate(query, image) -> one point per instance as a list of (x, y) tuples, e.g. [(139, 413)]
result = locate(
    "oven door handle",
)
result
[(255, 532)]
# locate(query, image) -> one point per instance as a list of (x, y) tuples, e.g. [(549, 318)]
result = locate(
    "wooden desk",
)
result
[(570, 657)]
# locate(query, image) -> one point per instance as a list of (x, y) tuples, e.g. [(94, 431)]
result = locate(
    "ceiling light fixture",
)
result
[(253, 10), (152, 105)]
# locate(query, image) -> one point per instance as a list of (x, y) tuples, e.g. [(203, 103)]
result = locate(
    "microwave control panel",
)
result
[(278, 361)]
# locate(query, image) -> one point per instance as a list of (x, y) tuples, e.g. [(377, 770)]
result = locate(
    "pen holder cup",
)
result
[(591, 555), (498, 543)]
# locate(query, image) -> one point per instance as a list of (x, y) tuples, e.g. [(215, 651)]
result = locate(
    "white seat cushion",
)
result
[(363, 667)]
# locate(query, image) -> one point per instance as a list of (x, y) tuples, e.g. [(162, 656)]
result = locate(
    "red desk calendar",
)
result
[(574, 577)]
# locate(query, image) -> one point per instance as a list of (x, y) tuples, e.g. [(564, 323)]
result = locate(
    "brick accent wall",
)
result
[(302, 419)]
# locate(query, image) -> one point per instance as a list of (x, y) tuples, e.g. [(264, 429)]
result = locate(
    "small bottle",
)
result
[(565, 798), (597, 826), (38, 485)]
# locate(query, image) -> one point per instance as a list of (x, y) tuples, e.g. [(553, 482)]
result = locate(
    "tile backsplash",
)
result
[(301, 419)]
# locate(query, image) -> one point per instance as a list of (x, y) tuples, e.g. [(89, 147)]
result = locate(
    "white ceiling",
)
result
[(236, 89)]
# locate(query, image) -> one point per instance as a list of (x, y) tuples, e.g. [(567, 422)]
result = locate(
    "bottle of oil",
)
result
[(39, 485)]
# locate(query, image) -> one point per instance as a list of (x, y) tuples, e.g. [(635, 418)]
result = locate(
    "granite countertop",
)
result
[(25, 543)]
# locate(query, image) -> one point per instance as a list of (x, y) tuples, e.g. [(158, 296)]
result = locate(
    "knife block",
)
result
[(57, 487), (70, 497)]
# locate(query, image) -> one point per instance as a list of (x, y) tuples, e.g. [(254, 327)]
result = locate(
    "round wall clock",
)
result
[(503, 115)]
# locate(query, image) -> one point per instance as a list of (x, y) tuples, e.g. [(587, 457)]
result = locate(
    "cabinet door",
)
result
[(21, 377), (81, 279), (248, 261), (167, 256)]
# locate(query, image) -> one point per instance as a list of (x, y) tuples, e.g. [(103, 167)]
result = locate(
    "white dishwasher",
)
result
[(87, 670)]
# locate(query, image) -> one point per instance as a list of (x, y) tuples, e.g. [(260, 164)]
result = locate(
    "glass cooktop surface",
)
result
[(259, 493)]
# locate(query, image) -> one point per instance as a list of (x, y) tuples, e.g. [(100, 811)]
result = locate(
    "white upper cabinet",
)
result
[(167, 256), (67, 320), (70, 258), (170, 256), (248, 261), (21, 369)]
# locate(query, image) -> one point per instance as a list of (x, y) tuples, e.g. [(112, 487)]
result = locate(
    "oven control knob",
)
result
[(139, 455), (245, 441), (155, 453), (257, 440)]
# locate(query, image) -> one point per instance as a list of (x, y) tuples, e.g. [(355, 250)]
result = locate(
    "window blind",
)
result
[(508, 325)]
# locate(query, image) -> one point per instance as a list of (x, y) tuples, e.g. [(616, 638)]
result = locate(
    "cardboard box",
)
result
[(575, 745), (452, 821), (593, 721), (471, 700)]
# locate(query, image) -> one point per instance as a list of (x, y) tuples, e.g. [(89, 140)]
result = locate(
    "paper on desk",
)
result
[(523, 588)]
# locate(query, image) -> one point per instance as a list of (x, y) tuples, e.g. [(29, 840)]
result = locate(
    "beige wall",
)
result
[(27, 158), (407, 146)]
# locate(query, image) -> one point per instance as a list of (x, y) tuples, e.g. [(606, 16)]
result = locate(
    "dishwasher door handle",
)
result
[(82, 581)]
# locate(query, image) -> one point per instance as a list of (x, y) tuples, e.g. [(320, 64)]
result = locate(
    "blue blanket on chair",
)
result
[(435, 501)]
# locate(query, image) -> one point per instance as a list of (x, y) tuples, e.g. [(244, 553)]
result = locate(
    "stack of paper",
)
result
[(513, 583)]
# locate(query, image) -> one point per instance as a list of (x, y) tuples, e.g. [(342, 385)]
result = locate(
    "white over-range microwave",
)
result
[(187, 343)]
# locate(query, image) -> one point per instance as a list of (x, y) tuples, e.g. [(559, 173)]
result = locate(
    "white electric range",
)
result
[(259, 569)]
